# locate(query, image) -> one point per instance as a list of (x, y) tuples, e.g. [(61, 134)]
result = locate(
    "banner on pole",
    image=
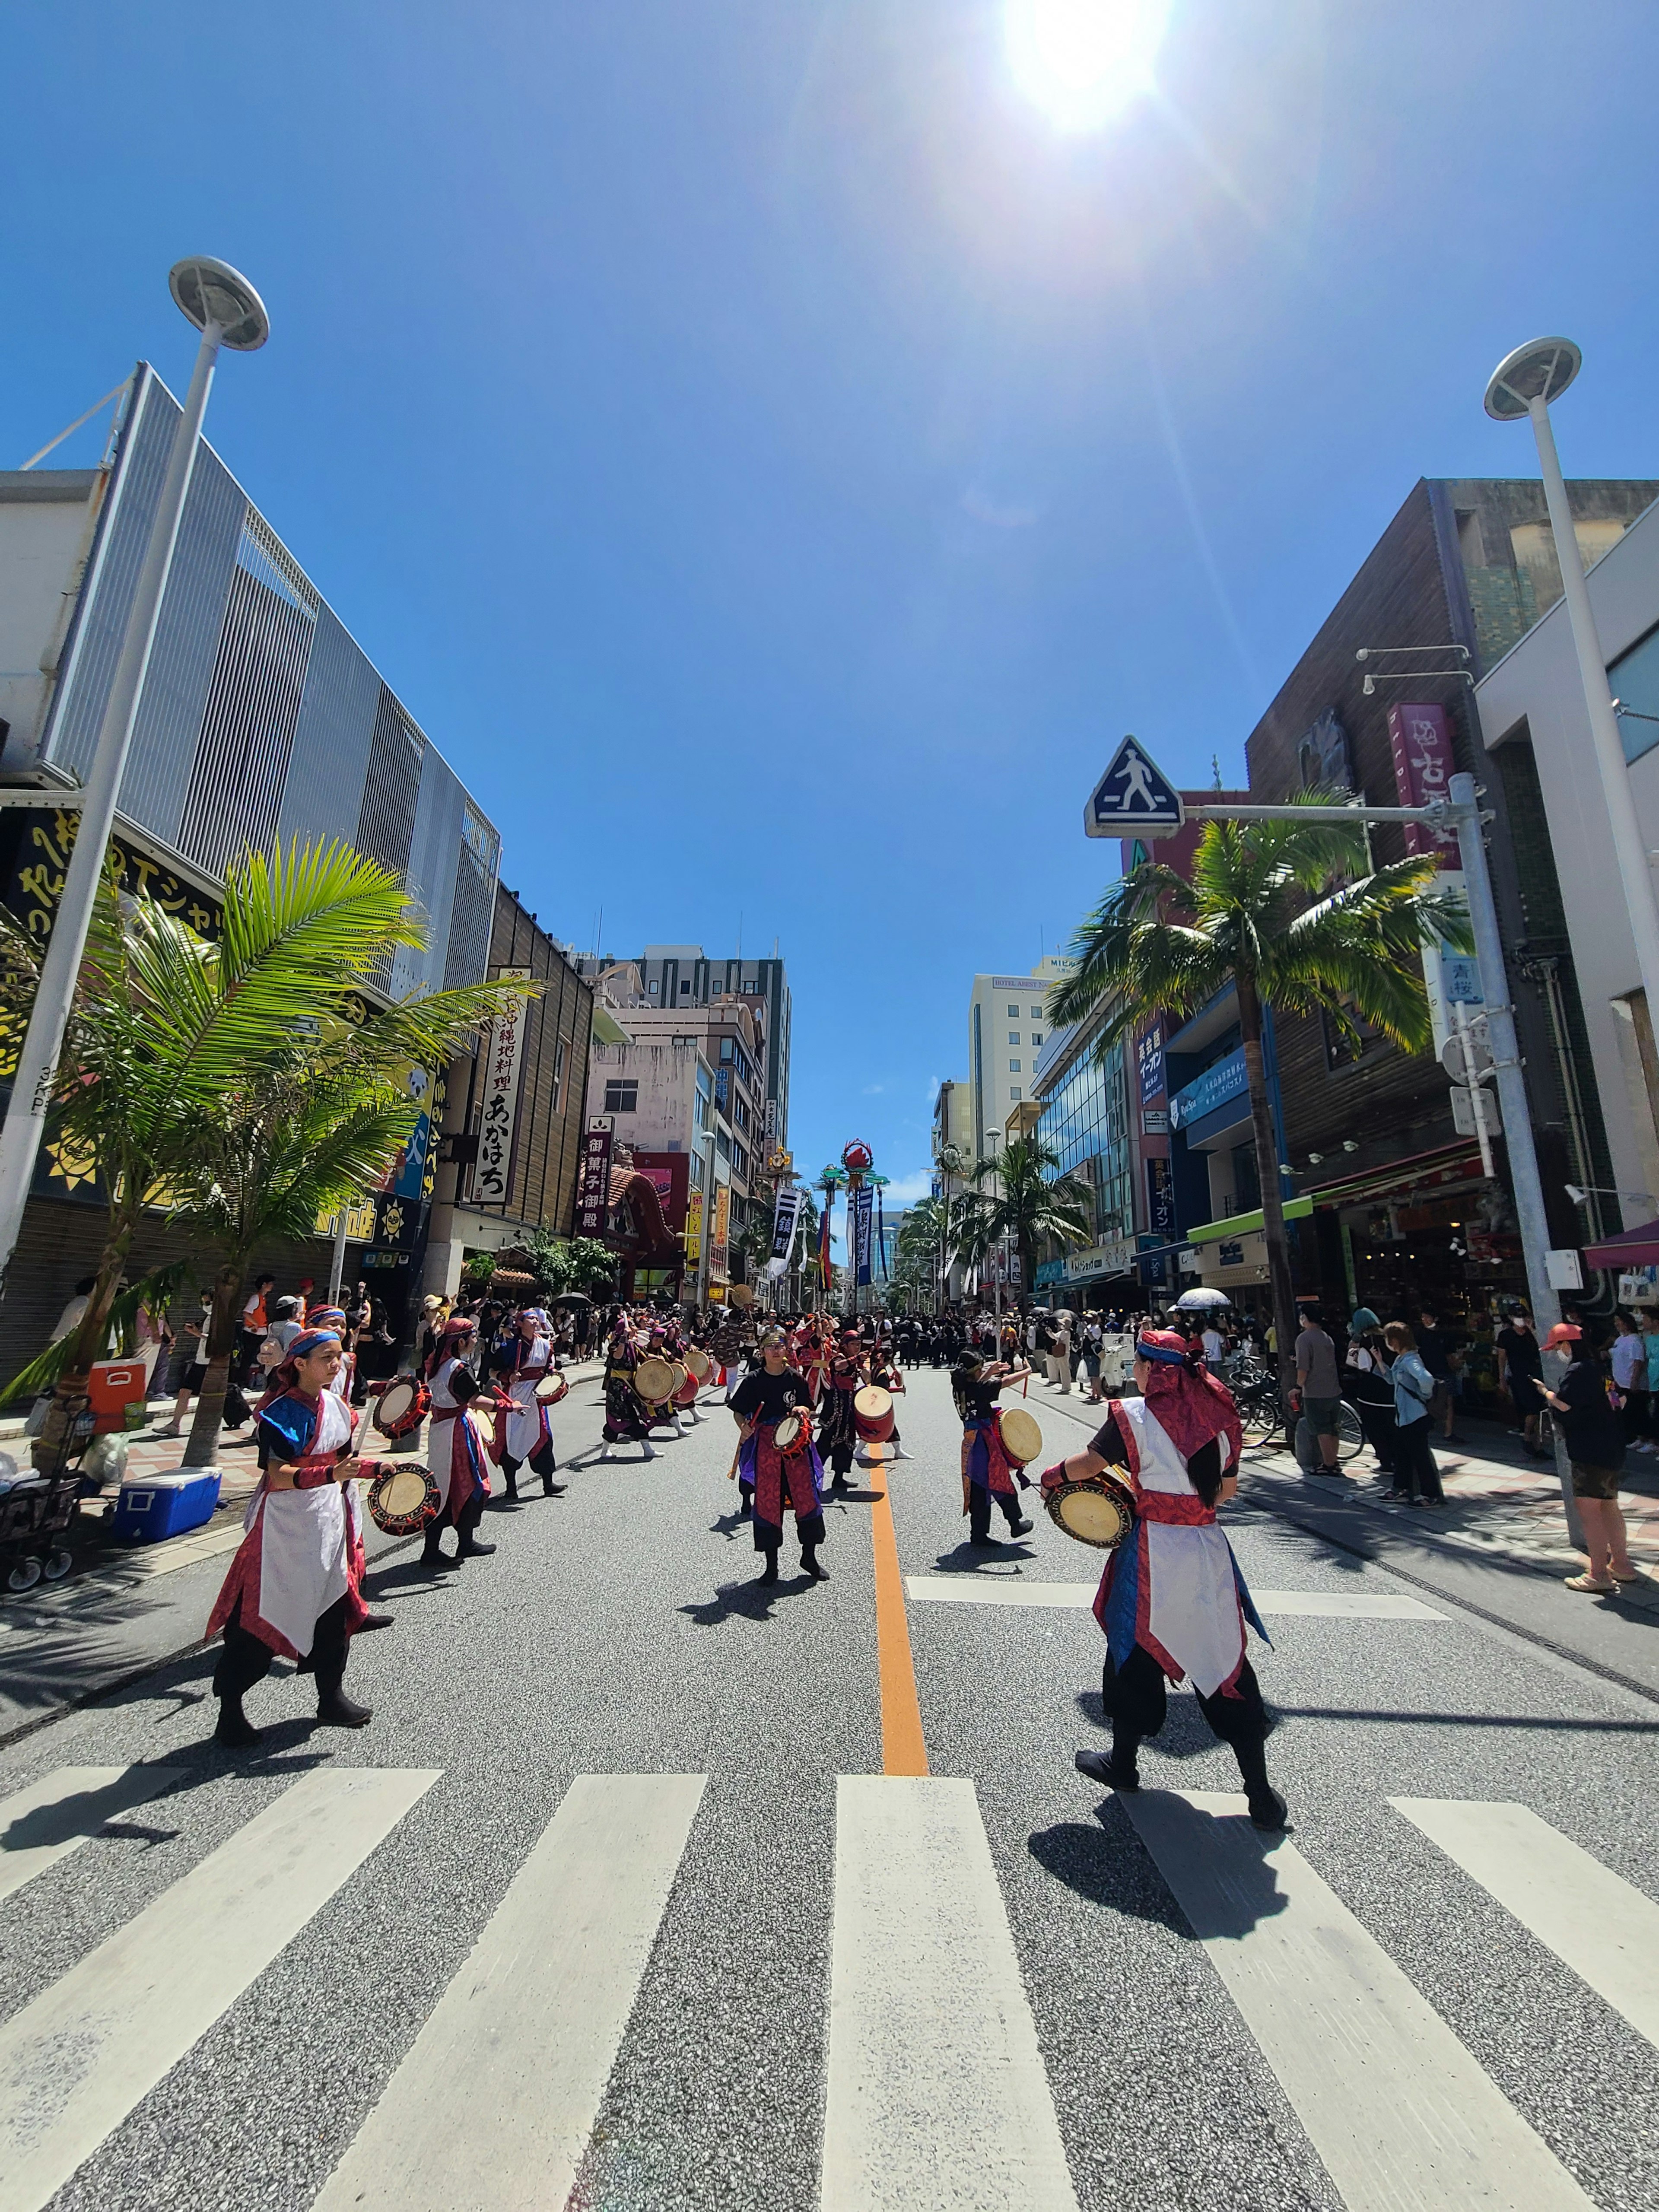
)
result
[(863, 1217), (593, 1187), (786, 1218)]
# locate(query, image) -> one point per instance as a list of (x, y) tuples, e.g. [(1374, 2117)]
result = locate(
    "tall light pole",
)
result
[(1523, 383), (228, 311)]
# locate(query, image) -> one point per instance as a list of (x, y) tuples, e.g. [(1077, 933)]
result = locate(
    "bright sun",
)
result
[(1085, 60)]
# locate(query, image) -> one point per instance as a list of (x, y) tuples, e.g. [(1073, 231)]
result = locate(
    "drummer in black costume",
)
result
[(627, 1419), (783, 1481), (838, 1434), (987, 1473)]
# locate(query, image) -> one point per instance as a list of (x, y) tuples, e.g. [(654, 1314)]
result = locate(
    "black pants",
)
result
[(1377, 1422), (1415, 1471), (542, 1462), (245, 1658), (809, 1530), (1136, 1698), (979, 1510)]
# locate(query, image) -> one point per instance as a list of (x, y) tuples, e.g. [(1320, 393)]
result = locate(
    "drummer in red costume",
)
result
[(783, 1481), (290, 1592), (333, 1319), (987, 1473), (1172, 1601), (522, 1430), (845, 1376), (459, 1467)]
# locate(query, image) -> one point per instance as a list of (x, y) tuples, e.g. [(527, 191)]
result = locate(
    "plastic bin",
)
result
[(165, 1505), (112, 1387)]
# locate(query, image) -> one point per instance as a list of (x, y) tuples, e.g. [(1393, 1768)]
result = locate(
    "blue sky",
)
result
[(776, 464)]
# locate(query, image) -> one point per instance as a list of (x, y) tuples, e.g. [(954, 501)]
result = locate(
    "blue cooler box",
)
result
[(166, 1505)]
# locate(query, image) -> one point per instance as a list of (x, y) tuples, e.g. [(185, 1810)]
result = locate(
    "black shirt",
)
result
[(771, 1396), (1431, 1351), (1590, 1426), (1204, 1468), (1520, 1348), (976, 1401)]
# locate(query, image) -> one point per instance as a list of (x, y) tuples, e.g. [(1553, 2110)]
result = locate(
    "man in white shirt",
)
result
[(1214, 1343)]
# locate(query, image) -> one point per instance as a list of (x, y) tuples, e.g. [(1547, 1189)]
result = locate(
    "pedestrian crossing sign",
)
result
[(1134, 798)]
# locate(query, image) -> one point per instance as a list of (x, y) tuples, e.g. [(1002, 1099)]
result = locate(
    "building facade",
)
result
[(683, 978), (1007, 1028), (513, 1111), (1083, 1101)]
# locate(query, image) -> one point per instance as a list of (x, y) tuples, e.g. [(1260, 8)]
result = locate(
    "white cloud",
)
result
[(907, 1190), (874, 1090)]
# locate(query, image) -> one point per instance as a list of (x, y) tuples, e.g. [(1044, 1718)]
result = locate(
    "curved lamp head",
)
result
[(210, 291), (1541, 370)]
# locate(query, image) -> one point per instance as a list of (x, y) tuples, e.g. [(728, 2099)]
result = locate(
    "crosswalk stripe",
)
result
[(74, 2062), (936, 2093), (55, 1816), (1595, 1921), (538, 2012), (1394, 2105), (1307, 1605)]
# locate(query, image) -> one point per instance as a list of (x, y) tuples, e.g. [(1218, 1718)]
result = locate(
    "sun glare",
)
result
[(1085, 61)]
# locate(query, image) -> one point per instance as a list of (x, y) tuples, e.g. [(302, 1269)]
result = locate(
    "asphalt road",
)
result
[(426, 1964)]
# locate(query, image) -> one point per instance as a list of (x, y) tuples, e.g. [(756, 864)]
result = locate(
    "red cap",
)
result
[(1565, 1332)]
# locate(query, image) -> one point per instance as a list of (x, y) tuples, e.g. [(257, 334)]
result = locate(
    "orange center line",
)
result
[(903, 1747)]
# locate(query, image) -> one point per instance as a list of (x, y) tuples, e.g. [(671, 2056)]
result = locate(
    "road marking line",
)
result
[(76, 2061), (935, 2092), (1595, 1921), (538, 2012), (56, 1815), (1310, 1605), (1394, 2105), (903, 1746)]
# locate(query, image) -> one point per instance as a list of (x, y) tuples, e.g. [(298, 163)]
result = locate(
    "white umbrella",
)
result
[(1201, 1301)]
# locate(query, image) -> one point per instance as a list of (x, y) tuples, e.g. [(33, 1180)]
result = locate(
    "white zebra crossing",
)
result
[(132, 2008), (935, 2089), (936, 2094), (544, 2001), (1398, 2110), (56, 1814), (1592, 1918)]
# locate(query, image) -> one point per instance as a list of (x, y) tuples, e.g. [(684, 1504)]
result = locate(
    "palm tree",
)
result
[(1289, 916), (1030, 1204), (194, 1072)]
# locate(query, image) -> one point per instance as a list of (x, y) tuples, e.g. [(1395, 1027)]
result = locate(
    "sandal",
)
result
[(1632, 1574), (1589, 1583)]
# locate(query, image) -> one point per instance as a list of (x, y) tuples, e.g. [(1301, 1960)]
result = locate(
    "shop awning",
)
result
[(1632, 1248), (1244, 1224), (1375, 1182)]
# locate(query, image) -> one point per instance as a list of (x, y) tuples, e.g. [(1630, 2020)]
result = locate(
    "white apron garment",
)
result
[(524, 1430), (444, 1442), (1190, 1605), (302, 1539)]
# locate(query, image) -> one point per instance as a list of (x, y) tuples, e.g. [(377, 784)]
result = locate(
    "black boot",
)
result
[(471, 1548), (374, 1621), (336, 1710), (235, 1731), (809, 1564), (1115, 1773), (433, 1559), (512, 1490), (1266, 1807), (771, 1574), (551, 1489)]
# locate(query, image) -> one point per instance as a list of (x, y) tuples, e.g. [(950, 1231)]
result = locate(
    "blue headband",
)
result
[(1159, 1355), (310, 1340)]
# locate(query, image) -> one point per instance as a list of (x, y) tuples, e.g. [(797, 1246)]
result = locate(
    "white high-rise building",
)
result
[(1007, 1028)]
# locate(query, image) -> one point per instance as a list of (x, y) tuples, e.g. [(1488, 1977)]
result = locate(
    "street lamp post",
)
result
[(1523, 383), (228, 311)]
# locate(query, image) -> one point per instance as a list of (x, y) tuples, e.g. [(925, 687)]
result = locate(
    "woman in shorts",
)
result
[(1595, 1451)]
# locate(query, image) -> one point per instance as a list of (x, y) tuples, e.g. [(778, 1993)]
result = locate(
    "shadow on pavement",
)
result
[(968, 1559)]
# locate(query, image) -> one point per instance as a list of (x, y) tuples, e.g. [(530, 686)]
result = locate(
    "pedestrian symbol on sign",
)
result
[(1135, 798)]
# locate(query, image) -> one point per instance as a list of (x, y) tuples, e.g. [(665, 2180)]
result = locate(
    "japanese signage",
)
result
[(718, 1242), (694, 1227), (502, 1065), (1228, 1080), (786, 1216), (862, 1203), (770, 1130), (1422, 766), (1149, 1057), (1160, 1200), (593, 1183)]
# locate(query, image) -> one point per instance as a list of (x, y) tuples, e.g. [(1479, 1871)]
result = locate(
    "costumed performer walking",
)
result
[(626, 1419), (290, 1592), (1172, 1601), (844, 1376), (988, 1473), (779, 1481), (460, 1460), (522, 1428)]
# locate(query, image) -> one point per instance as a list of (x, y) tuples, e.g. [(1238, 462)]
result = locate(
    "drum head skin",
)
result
[(1094, 1512), (1021, 1439), (791, 1433), (551, 1389), (395, 1413), (699, 1363), (403, 1500), (874, 1403), (654, 1379)]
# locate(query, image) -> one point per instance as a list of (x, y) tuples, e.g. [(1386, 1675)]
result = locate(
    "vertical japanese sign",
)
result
[(503, 1067), (1160, 1200), (593, 1186), (694, 1227), (718, 1241), (771, 1123), (1422, 766), (785, 1215), (863, 1205), (1149, 1059)]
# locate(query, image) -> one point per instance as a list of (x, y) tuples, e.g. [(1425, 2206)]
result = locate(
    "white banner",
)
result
[(503, 1059), (786, 1220)]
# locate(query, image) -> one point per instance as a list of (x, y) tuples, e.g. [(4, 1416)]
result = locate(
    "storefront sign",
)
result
[(694, 1227), (503, 1066), (1423, 768), (1160, 1200), (718, 1255), (1155, 1120), (594, 1184), (1227, 1080), (1149, 1059), (1109, 1259)]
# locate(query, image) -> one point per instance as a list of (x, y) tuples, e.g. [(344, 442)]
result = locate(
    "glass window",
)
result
[(1013, 1014), (651, 989), (622, 1097), (1013, 1036), (1013, 1091), (1013, 1068), (727, 1048), (685, 990), (1036, 1013), (1634, 677), (558, 1073), (1036, 1037), (1087, 1120)]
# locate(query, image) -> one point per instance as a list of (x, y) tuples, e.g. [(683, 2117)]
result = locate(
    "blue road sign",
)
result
[(1134, 798)]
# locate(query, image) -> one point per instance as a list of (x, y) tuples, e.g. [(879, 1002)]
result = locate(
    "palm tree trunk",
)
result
[(202, 1449), (68, 1397), (1273, 1200)]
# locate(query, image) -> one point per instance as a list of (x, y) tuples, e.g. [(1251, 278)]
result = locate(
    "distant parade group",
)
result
[(802, 1392)]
